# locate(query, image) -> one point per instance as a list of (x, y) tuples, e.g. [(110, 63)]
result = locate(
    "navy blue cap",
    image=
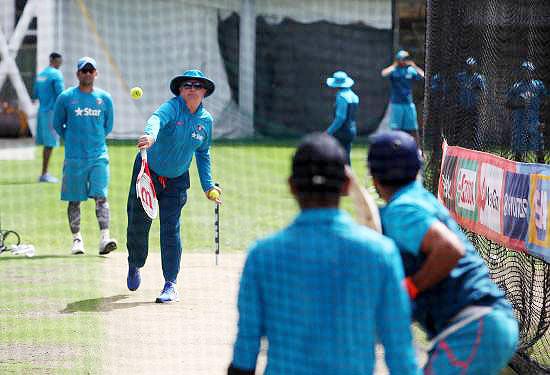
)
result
[(83, 61), (393, 156), (318, 166), (177, 81)]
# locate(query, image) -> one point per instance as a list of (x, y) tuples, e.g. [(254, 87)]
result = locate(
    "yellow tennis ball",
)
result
[(213, 194), (136, 92)]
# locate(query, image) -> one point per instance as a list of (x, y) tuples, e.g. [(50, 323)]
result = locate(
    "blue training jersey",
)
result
[(532, 92), (406, 219), (470, 87), (83, 120), (178, 135), (322, 291), (344, 124), (401, 79), (47, 87)]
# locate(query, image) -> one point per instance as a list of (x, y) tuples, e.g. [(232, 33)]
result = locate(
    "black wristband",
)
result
[(237, 371)]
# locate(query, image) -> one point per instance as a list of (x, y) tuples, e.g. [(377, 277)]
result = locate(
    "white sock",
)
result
[(77, 236), (105, 234)]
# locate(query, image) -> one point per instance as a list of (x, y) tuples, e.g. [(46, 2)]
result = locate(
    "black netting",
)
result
[(487, 67)]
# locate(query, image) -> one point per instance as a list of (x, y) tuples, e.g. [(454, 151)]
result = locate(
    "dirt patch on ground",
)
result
[(193, 336), (45, 358)]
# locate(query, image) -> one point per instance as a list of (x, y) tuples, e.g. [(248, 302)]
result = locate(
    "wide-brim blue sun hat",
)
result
[(340, 79), (195, 74)]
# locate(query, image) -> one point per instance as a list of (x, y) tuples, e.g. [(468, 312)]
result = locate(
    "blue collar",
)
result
[(321, 215), (404, 190)]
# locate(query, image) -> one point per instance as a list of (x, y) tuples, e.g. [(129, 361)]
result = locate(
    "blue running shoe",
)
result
[(134, 279), (168, 293)]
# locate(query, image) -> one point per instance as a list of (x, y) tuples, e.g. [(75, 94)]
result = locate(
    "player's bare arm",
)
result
[(387, 71), (443, 250)]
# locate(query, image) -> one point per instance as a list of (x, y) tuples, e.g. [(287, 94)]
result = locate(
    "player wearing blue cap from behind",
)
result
[(324, 289), (402, 73), (470, 323), (49, 84), (83, 117), (343, 127), (178, 129)]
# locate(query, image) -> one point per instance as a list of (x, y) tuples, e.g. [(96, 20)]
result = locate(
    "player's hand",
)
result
[(145, 141), (213, 196)]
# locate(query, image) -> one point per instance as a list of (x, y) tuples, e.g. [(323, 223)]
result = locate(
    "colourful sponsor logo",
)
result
[(466, 189), (538, 220), (515, 211), (489, 196), (447, 188)]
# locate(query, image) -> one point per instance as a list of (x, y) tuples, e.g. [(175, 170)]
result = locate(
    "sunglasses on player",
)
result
[(190, 85), (87, 70)]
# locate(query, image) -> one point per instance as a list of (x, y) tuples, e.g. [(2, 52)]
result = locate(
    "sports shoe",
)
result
[(168, 294), (78, 247), (48, 178), (107, 245), (134, 279)]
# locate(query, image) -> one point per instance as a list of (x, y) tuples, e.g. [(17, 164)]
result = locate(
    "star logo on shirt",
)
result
[(78, 111)]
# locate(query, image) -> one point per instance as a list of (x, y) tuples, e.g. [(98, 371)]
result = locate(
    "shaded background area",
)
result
[(293, 59)]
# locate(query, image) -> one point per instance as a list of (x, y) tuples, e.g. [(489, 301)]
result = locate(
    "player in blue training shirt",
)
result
[(524, 99), (178, 129), (402, 73), (343, 127), (83, 117), (324, 289), (470, 323), (49, 84), (471, 84)]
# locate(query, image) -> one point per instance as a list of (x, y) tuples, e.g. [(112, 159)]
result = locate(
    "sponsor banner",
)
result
[(505, 201)]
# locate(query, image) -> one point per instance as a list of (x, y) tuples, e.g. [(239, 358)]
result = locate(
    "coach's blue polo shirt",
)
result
[(178, 135), (406, 219)]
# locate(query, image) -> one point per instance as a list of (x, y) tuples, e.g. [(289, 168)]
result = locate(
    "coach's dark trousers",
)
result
[(171, 196)]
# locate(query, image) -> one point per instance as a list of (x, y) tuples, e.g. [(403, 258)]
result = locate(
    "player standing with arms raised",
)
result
[(178, 129), (83, 117), (402, 73), (49, 84), (470, 323)]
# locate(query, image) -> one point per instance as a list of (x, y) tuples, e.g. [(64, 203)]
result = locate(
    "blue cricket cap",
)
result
[(528, 65), (393, 156), (83, 61), (471, 61), (402, 55)]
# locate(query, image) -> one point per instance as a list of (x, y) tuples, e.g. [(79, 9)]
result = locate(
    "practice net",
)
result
[(487, 67)]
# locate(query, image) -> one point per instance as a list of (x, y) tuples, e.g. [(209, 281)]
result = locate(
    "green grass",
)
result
[(48, 315)]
